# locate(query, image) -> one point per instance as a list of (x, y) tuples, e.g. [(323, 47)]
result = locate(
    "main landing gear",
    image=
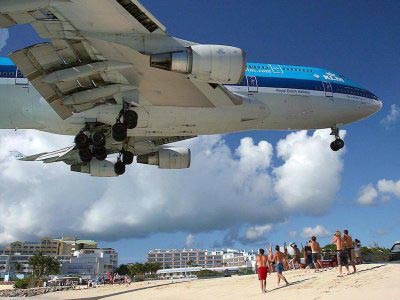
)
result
[(125, 158), (127, 119), (338, 143), (90, 146)]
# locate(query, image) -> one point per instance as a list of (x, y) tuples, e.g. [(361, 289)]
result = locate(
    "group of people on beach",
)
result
[(347, 252)]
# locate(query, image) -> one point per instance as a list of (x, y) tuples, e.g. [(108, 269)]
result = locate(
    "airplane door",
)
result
[(252, 84), (328, 89), (19, 78)]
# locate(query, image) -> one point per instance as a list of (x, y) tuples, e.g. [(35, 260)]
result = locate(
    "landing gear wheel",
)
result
[(85, 155), (127, 157), (99, 140), (119, 168), (130, 119), (82, 141), (119, 132), (337, 144), (100, 153)]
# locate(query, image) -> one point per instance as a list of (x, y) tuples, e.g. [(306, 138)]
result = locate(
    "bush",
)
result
[(21, 283)]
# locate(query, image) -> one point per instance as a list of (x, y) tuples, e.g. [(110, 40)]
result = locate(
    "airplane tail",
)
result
[(17, 155)]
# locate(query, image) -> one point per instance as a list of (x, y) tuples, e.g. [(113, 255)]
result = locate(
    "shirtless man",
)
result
[(341, 255), (278, 258), (261, 263), (270, 260), (316, 253), (349, 246)]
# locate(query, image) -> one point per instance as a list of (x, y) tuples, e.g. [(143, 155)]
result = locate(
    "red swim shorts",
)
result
[(262, 273)]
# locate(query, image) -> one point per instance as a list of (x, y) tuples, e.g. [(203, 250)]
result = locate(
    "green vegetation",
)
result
[(22, 283), (375, 253), (207, 273), (139, 270), (44, 265)]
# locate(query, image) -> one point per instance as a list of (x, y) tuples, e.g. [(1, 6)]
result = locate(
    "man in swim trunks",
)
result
[(316, 254), (297, 254), (261, 263), (341, 254), (349, 246), (278, 258)]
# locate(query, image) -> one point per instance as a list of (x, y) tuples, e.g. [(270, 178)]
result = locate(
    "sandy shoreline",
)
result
[(373, 281)]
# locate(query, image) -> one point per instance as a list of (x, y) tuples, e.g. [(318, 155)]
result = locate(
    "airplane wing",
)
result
[(68, 155), (99, 54)]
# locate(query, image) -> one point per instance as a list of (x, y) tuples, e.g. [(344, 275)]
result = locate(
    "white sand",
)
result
[(374, 281), (6, 287)]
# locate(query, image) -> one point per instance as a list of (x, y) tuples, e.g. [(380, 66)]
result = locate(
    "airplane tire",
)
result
[(82, 141), (119, 168), (119, 132), (100, 153), (85, 155), (339, 143), (130, 119), (99, 140), (127, 157)]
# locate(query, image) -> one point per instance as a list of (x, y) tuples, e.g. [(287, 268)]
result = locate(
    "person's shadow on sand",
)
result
[(291, 283)]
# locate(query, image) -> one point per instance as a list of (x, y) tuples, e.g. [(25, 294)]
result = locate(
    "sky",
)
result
[(244, 190)]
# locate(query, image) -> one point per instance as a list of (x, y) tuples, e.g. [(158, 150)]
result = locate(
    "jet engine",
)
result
[(96, 168), (207, 63), (167, 158)]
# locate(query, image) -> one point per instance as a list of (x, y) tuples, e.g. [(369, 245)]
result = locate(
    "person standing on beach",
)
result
[(357, 251), (297, 254), (271, 266), (340, 253), (349, 246), (316, 254), (261, 263), (278, 258)]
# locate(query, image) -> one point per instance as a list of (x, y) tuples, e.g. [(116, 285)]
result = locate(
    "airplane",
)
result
[(122, 85)]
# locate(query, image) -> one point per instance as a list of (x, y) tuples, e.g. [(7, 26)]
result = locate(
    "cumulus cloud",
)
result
[(224, 189), (189, 240), (389, 187), (4, 35), (367, 195), (319, 231), (392, 117), (385, 189), (257, 232), (310, 176)]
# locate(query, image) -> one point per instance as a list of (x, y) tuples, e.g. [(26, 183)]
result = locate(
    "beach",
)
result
[(372, 281)]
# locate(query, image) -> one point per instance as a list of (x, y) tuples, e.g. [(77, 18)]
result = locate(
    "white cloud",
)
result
[(367, 195), (293, 233), (319, 231), (389, 187), (4, 35), (223, 189), (189, 240), (257, 232), (392, 117), (310, 176)]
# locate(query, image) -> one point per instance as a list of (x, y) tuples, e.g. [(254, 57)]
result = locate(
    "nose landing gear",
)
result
[(338, 143)]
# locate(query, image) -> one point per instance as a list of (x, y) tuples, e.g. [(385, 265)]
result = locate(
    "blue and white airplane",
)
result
[(120, 83)]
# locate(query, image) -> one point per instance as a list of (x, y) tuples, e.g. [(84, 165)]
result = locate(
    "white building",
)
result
[(239, 258), (182, 258), (94, 262)]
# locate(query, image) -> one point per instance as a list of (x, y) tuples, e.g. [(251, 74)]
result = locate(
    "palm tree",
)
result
[(44, 265)]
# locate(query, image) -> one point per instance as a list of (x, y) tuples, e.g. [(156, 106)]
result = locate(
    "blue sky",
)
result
[(359, 39)]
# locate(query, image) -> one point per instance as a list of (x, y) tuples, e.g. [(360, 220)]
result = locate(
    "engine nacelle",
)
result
[(96, 168), (207, 63), (167, 158)]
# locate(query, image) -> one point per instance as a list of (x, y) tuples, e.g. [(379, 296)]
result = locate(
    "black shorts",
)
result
[(315, 257), (342, 258)]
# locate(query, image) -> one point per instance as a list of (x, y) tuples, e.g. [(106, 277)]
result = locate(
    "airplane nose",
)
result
[(372, 107)]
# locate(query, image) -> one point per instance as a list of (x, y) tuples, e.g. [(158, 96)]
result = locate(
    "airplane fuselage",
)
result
[(275, 97)]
